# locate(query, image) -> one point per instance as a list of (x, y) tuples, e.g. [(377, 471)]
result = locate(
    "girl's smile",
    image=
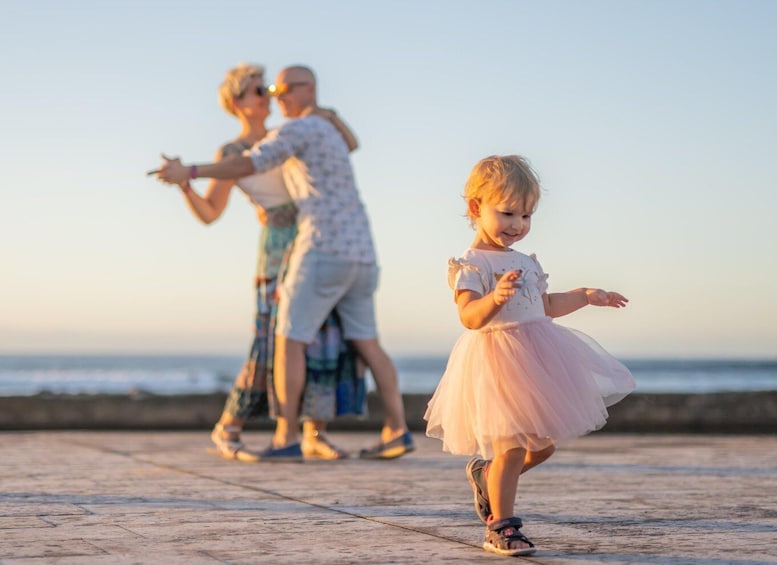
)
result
[(500, 225)]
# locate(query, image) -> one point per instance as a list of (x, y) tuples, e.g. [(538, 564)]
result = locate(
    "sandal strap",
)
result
[(319, 438), (497, 525), (502, 533), (227, 446)]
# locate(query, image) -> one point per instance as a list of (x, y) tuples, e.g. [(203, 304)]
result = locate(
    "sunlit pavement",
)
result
[(159, 497)]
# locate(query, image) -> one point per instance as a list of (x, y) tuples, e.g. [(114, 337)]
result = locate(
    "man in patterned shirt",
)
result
[(332, 265)]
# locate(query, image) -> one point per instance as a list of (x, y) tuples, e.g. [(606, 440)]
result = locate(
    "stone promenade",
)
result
[(159, 497)]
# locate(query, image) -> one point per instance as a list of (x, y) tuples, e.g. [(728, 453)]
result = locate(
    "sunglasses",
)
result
[(261, 91), (283, 88)]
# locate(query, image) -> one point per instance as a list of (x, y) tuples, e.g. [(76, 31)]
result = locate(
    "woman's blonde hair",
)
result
[(502, 178), (235, 83)]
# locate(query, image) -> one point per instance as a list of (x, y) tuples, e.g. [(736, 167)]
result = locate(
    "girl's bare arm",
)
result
[(559, 304)]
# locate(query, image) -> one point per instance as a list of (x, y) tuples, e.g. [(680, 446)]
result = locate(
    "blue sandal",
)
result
[(501, 533), (289, 454), (397, 447)]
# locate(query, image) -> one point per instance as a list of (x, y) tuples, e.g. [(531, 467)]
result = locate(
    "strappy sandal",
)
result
[(318, 446), (476, 475), (502, 533), (230, 448)]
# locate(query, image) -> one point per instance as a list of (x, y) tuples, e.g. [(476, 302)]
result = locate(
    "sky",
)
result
[(652, 125)]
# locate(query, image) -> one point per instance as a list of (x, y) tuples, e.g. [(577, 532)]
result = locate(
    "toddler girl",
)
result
[(516, 383)]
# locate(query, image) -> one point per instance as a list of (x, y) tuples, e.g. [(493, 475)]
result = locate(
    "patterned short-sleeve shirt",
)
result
[(318, 175)]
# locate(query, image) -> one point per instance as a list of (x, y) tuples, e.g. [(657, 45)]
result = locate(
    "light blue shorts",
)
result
[(317, 283)]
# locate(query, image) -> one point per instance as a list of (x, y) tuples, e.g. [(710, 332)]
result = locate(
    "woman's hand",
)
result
[(172, 171), (330, 115), (326, 113)]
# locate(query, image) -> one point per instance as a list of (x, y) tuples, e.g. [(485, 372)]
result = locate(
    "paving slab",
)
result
[(159, 497)]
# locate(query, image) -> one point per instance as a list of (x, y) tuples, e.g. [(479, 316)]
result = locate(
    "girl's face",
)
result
[(252, 104), (500, 225)]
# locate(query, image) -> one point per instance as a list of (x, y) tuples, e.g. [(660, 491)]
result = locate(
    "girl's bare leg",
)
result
[(502, 480), (534, 458)]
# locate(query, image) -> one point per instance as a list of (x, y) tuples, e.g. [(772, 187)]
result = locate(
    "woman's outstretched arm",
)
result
[(209, 207)]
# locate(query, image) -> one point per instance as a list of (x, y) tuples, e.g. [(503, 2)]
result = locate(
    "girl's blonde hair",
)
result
[(502, 178), (235, 83)]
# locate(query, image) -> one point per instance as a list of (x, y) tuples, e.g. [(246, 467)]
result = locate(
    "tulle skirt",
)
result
[(528, 385)]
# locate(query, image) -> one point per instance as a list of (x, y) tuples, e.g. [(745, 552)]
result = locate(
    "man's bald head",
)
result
[(296, 85), (299, 73)]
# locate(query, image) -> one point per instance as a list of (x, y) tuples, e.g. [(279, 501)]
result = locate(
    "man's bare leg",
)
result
[(289, 380)]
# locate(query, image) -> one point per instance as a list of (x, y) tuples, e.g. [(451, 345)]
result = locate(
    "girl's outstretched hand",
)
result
[(506, 286), (599, 297)]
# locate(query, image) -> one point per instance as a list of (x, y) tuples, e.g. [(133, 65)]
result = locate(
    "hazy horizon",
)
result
[(394, 354)]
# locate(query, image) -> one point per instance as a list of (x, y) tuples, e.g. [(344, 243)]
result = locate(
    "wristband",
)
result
[(193, 172)]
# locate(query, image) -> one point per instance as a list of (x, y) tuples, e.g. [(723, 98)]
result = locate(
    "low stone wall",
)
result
[(730, 412)]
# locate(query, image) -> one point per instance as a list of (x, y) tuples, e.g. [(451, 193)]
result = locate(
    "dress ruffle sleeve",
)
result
[(542, 276), (463, 275)]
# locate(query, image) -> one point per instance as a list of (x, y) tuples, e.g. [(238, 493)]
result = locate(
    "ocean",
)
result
[(23, 375)]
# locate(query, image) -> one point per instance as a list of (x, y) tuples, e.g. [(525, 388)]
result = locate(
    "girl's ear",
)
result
[(474, 207)]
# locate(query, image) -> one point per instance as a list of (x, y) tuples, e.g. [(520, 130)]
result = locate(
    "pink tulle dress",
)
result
[(522, 380)]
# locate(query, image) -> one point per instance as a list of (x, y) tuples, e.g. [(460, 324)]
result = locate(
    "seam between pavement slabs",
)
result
[(263, 491)]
